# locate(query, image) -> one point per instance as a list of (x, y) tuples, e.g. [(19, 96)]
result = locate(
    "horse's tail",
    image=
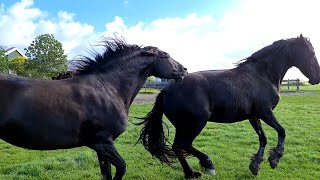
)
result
[(152, 136)]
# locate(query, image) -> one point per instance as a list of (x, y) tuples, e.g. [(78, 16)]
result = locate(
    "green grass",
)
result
[(230, 146)]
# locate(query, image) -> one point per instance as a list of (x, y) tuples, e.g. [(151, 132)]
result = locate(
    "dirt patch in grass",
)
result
[(143, 98)]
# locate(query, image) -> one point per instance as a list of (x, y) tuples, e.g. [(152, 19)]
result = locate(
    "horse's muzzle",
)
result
[(313, 82)]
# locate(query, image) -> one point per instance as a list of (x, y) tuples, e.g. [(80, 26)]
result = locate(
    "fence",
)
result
[(161, 85), (155, 85), (291, 82)]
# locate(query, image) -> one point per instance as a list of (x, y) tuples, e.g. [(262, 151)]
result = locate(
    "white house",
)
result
[(13, 52)]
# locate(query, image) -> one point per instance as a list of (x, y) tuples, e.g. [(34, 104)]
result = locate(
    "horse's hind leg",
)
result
[(107, 154), (182, 146), (258, 158), (205, 161), (181, 150), (277, 152)]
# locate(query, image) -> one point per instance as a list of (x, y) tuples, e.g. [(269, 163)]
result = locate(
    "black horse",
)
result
[(90, 109), (249, 91)]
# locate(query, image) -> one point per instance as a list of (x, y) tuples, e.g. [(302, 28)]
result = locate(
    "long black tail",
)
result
[(152, 136)]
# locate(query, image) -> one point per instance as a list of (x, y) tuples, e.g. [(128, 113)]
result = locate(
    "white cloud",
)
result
[(202, 42), (20, 23)]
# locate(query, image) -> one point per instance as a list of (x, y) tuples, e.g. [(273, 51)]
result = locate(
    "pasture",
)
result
[(230, 146)]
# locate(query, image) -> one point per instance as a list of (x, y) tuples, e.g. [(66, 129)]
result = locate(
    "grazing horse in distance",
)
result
[(249, 91), (90, 109)]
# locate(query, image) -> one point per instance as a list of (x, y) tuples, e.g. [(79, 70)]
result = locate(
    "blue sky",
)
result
[(97, 12), (202, 34)]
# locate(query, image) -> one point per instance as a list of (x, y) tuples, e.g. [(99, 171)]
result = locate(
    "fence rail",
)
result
[(291, 82), (155, 85), (286, 82)]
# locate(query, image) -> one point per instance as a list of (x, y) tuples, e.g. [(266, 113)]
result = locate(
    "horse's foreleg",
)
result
[(107, 154), (277, 152), (105, 167), (258, 158)]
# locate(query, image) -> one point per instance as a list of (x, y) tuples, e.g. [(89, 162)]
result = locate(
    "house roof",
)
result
[(12, 49)]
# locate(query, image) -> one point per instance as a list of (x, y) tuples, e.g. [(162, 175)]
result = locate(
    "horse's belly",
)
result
[(37, 138), (228, 118), (39, 144)]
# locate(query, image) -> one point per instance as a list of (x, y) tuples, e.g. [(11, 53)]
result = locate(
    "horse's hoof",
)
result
[(274, 157), (209, 171), (273, 162), (254, 168), (255, 164)]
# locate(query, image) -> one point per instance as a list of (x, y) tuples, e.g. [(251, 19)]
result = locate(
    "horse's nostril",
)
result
[(184, 68)]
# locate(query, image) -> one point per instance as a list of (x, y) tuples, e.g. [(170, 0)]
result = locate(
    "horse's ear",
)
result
[(301, 37), (149, 52)]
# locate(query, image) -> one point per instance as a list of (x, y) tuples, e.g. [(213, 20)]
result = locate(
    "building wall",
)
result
[(13, 54)]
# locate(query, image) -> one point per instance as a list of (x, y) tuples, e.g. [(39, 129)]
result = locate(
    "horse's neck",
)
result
[(126, 82), (274, 68)]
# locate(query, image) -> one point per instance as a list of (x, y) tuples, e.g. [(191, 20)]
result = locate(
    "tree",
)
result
[(18, 65), (46, 57), (151, 79), (4, 65)]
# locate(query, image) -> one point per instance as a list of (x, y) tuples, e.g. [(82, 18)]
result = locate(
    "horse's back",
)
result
[(218, 95)]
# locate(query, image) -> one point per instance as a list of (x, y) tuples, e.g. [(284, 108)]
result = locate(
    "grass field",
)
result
[(230, 146)]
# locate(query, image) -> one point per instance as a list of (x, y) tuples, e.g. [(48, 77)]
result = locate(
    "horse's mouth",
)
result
[(181, 76)]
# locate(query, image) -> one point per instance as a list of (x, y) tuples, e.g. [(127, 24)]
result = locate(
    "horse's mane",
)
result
[(273, 48), (114, 50)]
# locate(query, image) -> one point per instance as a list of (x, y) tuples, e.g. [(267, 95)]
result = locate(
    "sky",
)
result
[(201, 35)]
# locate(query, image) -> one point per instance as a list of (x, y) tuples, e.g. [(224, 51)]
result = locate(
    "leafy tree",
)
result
[(4, 65), (151, 79), (18, 65), (46, 57)]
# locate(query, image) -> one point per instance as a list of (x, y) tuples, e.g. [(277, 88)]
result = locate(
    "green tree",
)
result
[(151, 79), (4, 65), (46, 57), (18, 65)]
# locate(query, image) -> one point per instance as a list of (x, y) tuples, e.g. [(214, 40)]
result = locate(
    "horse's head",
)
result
[(163, 65), (304, 58)]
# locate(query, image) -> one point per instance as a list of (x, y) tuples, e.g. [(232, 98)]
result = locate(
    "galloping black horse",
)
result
[(249, 91), (90, 109)]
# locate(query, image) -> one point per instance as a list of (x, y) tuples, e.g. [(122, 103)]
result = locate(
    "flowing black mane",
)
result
[(114, 50), (277, 46)]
